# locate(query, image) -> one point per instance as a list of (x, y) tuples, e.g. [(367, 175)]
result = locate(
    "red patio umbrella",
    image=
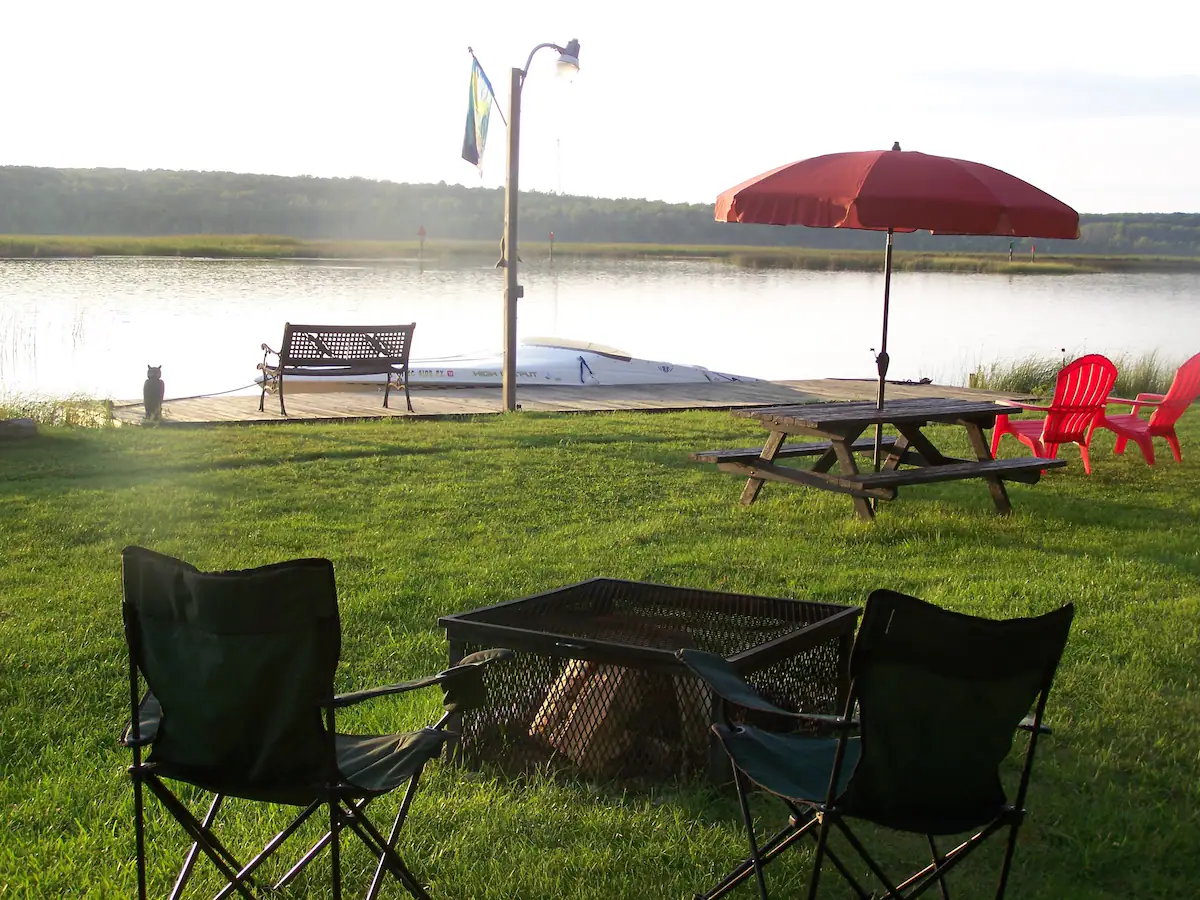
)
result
[(897, 190)]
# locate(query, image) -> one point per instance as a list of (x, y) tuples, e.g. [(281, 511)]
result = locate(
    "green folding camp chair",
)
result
[(939, 697), (239, 673)]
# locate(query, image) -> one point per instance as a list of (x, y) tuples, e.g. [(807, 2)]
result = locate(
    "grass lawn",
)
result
[(425, 518)]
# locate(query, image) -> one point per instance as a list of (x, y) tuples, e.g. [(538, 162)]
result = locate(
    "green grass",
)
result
[(252, 246), (424, 518), (1037, 374)]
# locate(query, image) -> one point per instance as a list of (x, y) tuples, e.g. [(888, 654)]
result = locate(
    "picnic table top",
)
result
[(922, 409)]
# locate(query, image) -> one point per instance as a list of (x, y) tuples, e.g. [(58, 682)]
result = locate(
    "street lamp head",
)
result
[(568, 60)]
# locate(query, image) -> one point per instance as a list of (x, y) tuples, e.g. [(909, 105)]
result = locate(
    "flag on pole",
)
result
[(479, 108)]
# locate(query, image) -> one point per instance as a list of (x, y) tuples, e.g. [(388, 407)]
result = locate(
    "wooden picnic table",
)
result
[(841, 426)]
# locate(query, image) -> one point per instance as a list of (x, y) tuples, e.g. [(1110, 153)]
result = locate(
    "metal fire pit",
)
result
[(595, 688)]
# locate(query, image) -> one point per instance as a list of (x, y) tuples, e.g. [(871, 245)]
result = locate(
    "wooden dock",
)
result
[(366, 402)]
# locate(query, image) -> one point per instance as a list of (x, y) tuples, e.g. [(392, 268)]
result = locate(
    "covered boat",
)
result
[(551, 361)]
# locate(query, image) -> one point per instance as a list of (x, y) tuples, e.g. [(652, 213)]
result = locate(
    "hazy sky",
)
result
[(1097, 104)]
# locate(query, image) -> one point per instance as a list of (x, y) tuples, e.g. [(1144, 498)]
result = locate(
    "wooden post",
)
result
[(552, 246)]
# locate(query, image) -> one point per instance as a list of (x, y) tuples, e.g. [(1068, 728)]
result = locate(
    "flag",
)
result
[(479, 108)]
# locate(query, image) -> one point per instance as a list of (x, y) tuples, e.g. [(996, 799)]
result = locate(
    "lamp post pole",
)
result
[(568, 58), (512, 291)]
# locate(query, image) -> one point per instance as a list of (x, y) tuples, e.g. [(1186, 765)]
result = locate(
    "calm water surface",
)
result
[(92, 326)]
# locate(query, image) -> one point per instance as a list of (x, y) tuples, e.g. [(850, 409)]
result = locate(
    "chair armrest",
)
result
[(1026, 724), (726, 683), (1019, 405), (1142, 400), (461, 679)]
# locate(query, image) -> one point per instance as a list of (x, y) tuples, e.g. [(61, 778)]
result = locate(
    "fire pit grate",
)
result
[(595, 688)]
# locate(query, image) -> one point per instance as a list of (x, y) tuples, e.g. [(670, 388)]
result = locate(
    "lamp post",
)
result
[(568, 60)]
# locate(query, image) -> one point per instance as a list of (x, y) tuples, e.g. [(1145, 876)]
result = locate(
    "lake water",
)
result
[(92, 326)]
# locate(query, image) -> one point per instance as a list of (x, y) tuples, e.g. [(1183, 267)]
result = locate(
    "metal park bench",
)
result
[(339, 350)]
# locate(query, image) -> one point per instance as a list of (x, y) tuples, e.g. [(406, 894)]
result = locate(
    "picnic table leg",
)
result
[(770, 448), (847, 466), (983, 452), (896, 454), (915, 439)]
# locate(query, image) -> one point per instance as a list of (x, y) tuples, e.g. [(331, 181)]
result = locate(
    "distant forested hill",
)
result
[(100, 202)]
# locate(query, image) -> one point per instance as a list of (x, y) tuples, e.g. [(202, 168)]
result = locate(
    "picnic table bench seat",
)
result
[(810, 448), (338, 350)]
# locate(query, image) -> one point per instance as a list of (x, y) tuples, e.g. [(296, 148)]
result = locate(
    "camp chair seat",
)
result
[(795, 766), (368, 764)]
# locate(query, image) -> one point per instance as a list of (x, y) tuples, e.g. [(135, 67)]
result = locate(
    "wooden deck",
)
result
[(366, 403)]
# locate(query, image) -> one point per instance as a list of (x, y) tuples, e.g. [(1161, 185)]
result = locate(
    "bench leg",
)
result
[(407, 398), (282, 408), (754, 485), (387, 389), (263, 397), (983, 452)]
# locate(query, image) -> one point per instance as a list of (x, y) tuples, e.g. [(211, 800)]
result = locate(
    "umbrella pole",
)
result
[(882, 360)]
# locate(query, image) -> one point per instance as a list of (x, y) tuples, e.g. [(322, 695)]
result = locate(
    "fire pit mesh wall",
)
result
[(599, 715)]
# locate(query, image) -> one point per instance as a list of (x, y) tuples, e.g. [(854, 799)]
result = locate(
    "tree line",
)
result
[(104, 202)]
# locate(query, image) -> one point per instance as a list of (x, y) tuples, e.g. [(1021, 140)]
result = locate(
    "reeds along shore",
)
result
[(278, 247)]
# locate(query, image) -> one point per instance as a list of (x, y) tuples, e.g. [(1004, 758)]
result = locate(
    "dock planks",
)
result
[(366, 402)]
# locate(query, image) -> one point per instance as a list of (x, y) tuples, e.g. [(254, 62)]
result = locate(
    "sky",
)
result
[(1099, 105)]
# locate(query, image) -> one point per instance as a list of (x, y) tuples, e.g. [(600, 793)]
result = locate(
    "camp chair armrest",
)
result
[(467, 669), (838, 723), (1026, 724), (350, 699), (720, 675)]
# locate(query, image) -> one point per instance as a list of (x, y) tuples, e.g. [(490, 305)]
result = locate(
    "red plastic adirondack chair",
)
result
[(1073, 413), (1168, 408)]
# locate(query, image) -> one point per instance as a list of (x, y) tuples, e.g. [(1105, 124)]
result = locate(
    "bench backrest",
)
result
[(343, 345)]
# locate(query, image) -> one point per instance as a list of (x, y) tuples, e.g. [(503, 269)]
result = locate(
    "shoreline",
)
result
[(267, 247)]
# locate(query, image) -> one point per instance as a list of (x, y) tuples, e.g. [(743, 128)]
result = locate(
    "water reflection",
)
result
[(92, 326)]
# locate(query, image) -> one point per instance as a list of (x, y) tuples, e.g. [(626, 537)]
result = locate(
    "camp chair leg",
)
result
[(409, 793), (139, 829), (893, 891), (822, 839), (370, 836), (335, 846), (212, 847), (739, 781), (949, 861), (778, 842), (275, 843), (938, 862), (1010, 846), (190, 860)]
